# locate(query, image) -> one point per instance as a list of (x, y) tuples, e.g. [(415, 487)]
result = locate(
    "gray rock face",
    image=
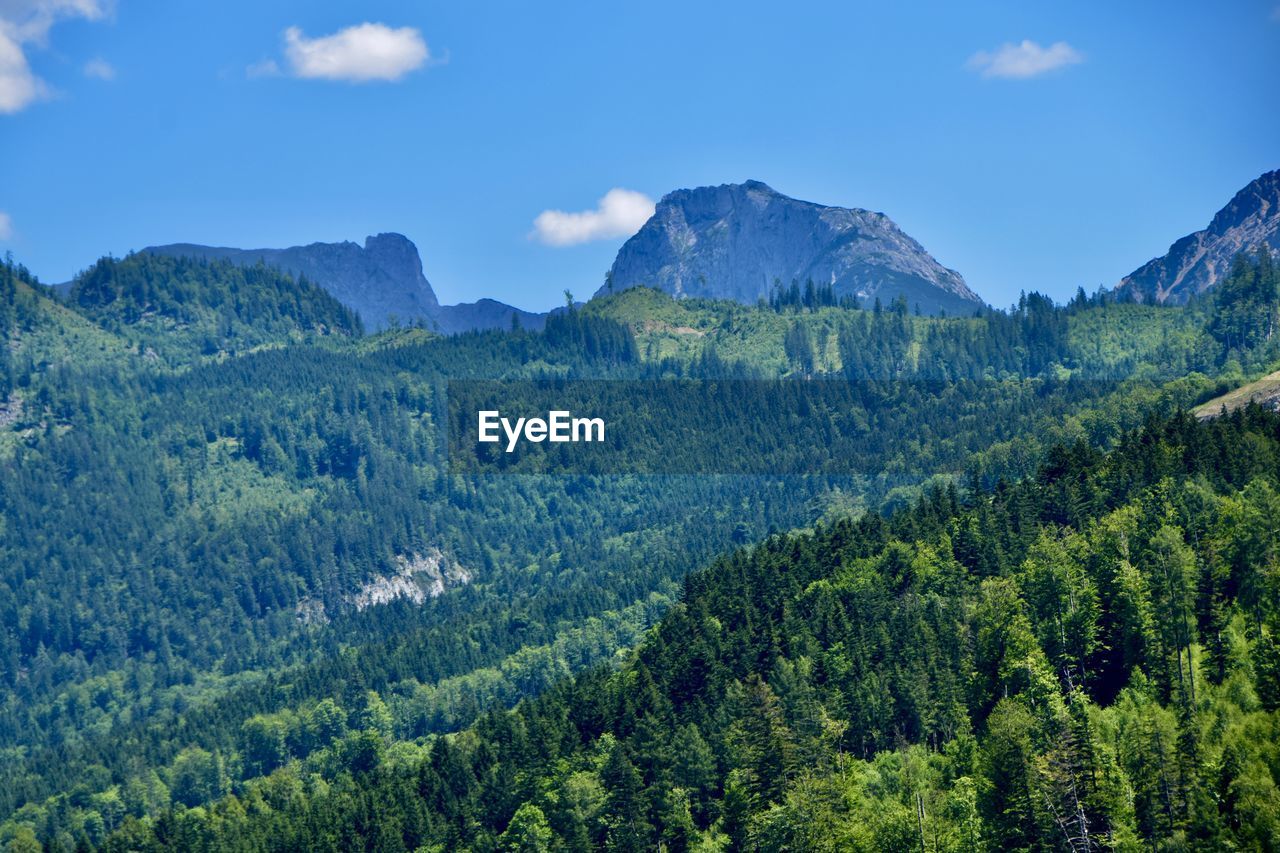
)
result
[(736, 240), (1198, 261), (381, 280)]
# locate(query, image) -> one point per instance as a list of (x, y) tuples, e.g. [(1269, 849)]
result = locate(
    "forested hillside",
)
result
[(1083, 660), (42, 335), (174, 307), (231, 543)]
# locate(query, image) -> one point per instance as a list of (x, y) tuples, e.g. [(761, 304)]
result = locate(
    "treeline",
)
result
[(1083, 660), (1236, 322), (810, 297), (1027, 341)]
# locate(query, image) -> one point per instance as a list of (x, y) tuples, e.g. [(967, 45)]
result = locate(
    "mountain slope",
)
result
[(294, 476), (381, 281), (1264, 392), (1198, 261), (179, 307), (41, 333), (738, 241), (1084, 660)]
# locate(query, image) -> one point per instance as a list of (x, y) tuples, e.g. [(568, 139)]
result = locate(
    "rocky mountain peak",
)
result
[(1198, 261), (1258, 201), (739, 241), (398, 256)]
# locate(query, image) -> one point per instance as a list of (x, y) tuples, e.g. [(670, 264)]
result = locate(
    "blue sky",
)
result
[(1063, 163)]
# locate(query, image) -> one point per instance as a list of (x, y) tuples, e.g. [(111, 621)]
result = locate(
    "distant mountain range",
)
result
[(728, 242), (740, 241), (1198, 261), (382, 281)]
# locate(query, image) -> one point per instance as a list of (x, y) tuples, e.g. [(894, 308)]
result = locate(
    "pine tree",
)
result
[(629, 828)]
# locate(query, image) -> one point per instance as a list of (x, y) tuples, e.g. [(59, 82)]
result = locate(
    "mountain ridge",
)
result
[(739, 241), (1198, 261), (382, 281)]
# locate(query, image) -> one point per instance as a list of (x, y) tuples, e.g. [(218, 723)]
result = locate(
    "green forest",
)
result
[(1026, 600), (1083, 659)]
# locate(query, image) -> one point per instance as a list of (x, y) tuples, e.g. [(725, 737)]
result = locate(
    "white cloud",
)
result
[(1020, 61), (24, 23), (18, 86), (619, 214), (6, 226), (31, 20), (358, 54), (99, 69)]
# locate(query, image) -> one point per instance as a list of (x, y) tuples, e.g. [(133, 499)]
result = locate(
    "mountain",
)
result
[(737, 241), (484, 314), (1199, 261), (381, 281), (184, 553)]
